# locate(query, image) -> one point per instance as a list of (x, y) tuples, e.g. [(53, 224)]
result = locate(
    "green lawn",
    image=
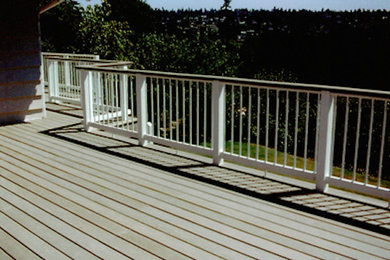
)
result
[(348, 174), (271, 155)]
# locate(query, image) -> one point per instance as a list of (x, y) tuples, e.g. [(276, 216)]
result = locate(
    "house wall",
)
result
[(21, 97)]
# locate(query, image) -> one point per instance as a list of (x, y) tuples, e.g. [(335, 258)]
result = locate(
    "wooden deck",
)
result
[(65, 193)]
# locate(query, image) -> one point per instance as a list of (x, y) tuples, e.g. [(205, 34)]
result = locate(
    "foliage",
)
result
[(103, 36), (326, 47), (43, 3), (200, 54), (335, 48), (282, 75), (138, 14), (226, 5), (70, 28), (60, 27)]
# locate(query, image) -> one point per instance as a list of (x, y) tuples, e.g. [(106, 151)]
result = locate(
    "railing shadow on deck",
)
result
[(69, 111), (291, 196)]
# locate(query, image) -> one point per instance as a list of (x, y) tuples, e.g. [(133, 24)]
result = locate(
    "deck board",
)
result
[(37, 226), (238, 223), (80, 195), (25, 236), (4, 255), (88, 223), (15, 248), (131, 198)]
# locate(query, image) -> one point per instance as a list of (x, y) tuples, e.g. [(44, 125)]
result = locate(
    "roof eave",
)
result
[(50, 6)]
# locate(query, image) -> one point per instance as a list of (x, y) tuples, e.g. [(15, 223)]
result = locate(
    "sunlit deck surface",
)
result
[(65, 193)]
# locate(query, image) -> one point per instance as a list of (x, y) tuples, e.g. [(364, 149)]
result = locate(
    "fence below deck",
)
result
[(331, 135)]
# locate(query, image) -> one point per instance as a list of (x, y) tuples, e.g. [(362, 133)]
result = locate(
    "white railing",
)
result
[(331, 135), (64, 83), (45, 67)]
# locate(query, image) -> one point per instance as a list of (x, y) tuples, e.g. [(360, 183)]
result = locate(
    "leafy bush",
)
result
[(103, 36), (200, 54)]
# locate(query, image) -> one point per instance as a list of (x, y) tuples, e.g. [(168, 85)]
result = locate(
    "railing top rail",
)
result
[(114, 64), (69, 54), (242, 81), (107, 63)]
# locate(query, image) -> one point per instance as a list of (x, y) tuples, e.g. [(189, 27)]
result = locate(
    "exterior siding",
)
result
[(21, 97)]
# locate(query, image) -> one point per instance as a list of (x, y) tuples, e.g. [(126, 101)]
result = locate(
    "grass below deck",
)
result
[(288, 159)]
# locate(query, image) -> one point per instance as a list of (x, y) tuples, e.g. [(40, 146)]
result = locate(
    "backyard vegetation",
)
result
[(335, 48), (299, 162), (347, 48)]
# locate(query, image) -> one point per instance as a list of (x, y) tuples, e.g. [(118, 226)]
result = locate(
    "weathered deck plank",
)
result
[(79, 202), (285, 237), (90, 224), (115, 198), (36, 226), (4, 255), (41, 247), (15, 248)]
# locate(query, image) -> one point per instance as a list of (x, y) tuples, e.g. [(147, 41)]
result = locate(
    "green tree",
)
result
[(60, 27), (137, 13), (199, 54), (226, 5), (228, 26), (103, 36), (282, 75)]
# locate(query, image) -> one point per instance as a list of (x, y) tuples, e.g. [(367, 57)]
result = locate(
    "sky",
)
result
[(265, 4)]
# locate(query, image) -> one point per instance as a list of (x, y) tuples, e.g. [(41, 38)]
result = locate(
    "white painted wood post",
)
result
[(325, 141), (87, 98), (56, 80), (67, 76), (150, 131), (142, 116), (53, 79), (218, 121), (124, 90), (98, 96), (42, 79)]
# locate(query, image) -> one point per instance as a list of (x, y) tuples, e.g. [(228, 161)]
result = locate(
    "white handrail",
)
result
[(63, 78), (45, 55), (356, 92), (288, 128)]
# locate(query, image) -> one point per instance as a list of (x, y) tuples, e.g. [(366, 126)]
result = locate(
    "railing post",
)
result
[(325, 141), (218, 121), (124, 103), (99, 103), (42, 79), (53, 79), (45, 70), (87, 98), (67, 75), (142, 116)]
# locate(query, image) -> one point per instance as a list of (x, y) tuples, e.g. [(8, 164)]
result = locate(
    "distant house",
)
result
[(21, 94)]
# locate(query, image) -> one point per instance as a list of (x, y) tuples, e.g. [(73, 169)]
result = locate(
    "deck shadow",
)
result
[(68, 111), (343, 210)]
